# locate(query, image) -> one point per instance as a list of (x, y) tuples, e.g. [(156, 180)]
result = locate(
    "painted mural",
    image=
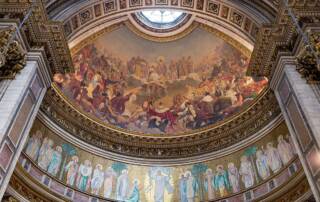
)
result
[(133, 183), (160, 88)]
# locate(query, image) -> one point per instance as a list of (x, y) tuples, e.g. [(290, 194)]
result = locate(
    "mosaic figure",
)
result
[(84, 175), (285, 150), (72, 169), (109, 179), (234, 176), (55, 163), (262, 165), (45, 153), (221, 181), (33, 145), (183, 188), (246, 172), (191, 186), (97, 179), (134, 196), (122, 185), (209, 184), (273, 157)]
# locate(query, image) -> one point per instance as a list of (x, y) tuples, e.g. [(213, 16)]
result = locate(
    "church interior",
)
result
[(160, 100)]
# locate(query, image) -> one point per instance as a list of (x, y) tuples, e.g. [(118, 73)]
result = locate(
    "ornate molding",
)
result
[(39, 33), (295, 193), (12, 55), (309, 61), (281, 38), (24, 189), (234, 130)]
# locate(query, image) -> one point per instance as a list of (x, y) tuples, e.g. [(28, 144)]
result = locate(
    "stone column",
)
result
[(20, 100), (300, 105)]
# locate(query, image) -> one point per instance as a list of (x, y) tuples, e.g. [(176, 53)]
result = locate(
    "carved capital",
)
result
[(309, 59), (12, 55)]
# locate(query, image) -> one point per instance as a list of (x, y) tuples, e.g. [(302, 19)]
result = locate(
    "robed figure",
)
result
[(45, 153), (72, 169), (109, 179), (209, 184), (33, 145), (262, 165), (221, 182), (122, 185), (84, 175), (234, 176), (192, 187), (55, 163), (273, 158), (97, 179), (134, 196), (161, 184), (183, 188), (285, 150), (246, 172)]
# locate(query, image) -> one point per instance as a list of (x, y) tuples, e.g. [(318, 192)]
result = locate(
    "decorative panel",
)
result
[(19, 124), (6, 154), (302, 132)]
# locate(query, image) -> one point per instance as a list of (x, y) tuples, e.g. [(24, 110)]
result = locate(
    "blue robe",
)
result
[(134, 196), (55, 163), (183, 190)]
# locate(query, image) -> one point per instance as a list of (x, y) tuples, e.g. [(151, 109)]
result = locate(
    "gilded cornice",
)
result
[(214, 138), (281, 38), (39, 32)]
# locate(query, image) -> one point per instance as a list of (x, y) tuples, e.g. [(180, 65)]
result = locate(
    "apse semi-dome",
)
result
[(143, 87)]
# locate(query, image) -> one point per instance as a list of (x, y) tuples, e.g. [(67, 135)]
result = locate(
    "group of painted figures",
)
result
[(159, 97), (85, 176)]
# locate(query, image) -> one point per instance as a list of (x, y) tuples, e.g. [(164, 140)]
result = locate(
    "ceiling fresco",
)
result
[(154, 88)]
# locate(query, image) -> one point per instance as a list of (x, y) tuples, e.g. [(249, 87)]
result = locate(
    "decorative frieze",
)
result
[(244, 125)]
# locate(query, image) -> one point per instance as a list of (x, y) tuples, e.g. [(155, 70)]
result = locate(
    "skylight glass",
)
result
[(162, 16)]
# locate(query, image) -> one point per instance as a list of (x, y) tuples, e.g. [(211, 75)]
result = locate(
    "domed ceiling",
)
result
[(150, 88)]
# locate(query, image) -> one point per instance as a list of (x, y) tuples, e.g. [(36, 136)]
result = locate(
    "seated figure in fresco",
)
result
[(160, 117), (118, 102), (187, 114)]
